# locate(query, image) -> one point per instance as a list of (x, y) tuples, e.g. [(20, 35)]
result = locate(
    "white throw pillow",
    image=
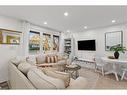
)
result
[(40, 59), (42, 81), (17, 60), (31, 59), (24, 67)]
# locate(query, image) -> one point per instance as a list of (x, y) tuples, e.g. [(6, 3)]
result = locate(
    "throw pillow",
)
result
[(52, 59), (31, 59), (47, 59), (42, 81), (17, 60), (40, 59), (25, 67), (55, 58)]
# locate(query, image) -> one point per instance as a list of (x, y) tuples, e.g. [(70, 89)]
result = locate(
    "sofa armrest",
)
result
[(62, 73), (61, 62), (68, 61), (79, 83)]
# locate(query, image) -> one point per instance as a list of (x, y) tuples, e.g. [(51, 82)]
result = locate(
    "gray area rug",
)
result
[(97, 81)]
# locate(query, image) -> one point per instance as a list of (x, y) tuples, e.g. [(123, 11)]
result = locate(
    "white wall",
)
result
[(99, 35), (9, 51)]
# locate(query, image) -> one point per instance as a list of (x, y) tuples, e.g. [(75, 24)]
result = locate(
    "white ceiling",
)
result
[(79, 16)]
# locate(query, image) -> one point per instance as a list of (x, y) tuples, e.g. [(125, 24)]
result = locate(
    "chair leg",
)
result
[(95, 68), (123, 75), (102, 70), (116, 76)]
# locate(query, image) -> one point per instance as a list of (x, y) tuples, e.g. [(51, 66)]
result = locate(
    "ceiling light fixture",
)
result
[(68, 31), (113, 21), (85, 27), (66, 14), (45, 23)]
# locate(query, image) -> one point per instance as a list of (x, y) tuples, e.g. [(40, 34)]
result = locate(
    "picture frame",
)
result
[(10, 37), (114, 38), (34, 42), (55, 42), (47, 45)]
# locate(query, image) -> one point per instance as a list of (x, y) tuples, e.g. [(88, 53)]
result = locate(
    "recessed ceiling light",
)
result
[(113, 21), (66, 14), (45, 22), (68, 31), (85, 27)]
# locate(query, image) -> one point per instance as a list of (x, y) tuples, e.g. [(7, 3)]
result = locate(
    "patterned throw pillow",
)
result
[(52, 59), (55, 58), (47, 59)]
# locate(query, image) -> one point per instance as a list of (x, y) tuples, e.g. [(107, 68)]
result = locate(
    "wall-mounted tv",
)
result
[(89, 45)]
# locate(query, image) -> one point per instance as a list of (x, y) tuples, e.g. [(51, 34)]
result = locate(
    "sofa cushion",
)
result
[(40, 59), (60, 75), (17, 60), (24, 67), (79, 83), (42, 81)]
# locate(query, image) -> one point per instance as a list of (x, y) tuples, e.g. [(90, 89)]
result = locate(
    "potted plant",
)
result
[(117, 49)]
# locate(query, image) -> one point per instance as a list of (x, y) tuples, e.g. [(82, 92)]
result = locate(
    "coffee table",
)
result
[(73, 70)]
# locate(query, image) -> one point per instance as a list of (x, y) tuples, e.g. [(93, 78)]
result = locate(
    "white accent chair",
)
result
[(124, 69), (99, 64)]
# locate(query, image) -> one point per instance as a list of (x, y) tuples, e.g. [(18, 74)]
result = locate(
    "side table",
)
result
[(73, 70)]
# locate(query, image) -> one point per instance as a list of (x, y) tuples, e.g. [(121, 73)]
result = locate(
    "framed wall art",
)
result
[(47, 45), (55, 43), (10, 37), (34, 42), (113, 39)]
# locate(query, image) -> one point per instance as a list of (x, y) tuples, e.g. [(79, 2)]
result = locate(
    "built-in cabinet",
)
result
[(68, 47)]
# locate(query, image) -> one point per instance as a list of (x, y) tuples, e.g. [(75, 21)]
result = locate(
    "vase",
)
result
[(116, 55)]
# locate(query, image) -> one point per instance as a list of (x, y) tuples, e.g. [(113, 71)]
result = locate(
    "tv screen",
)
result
[(87, 45)]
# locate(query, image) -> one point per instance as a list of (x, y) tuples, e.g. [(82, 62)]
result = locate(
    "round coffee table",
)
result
[(73, 70)]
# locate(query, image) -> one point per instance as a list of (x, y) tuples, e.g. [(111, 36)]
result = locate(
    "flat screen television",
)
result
[(87, 45)]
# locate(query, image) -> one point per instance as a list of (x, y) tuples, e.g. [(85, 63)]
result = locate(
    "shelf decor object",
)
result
[(10, 37), (117, 49)]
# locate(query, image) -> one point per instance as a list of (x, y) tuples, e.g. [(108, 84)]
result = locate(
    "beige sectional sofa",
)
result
[(56, 61), (23, 75)]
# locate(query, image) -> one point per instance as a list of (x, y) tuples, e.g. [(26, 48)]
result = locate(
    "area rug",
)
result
[(97, 81), (90, 75)]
